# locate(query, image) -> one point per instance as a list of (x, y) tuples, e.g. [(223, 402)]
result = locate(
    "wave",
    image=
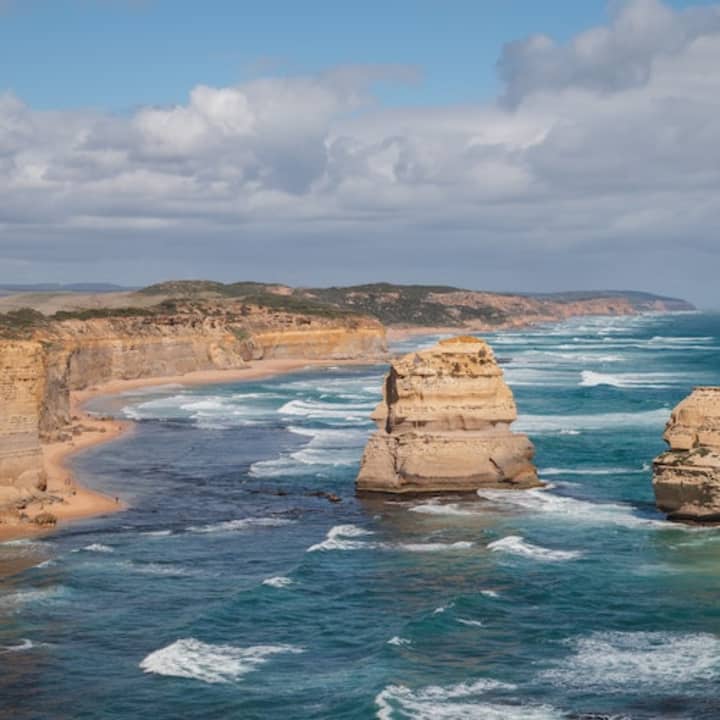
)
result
[(398, 641), (161, 569), (490, 593), (22, 646), (333, 447), (590, 378), (443, 608), (208, 412), (16, 601), (516, 545), (466, 700), (277, 582), (97, 547), (539, 424), (190, 658), (592, 471), (543, 500), (435, 546), (314, 409), (228, 526), (344, 537), (337, 539), (472, 623), (156, 533), (444, 509), (643, 661)]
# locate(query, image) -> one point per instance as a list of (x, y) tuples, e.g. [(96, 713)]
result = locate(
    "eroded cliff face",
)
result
[(38, 374), (686, 479), (22, 385), (444, 425)]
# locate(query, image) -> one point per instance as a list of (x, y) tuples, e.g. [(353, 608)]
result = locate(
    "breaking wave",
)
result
[(277, 582), (589, 378), (345, 537), (465, 700), (516, 545), (229, 526), (544, 500), (190, 658)]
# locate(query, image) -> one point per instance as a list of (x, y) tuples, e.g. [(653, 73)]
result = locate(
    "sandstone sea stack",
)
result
[(686, 479), (444, 425)]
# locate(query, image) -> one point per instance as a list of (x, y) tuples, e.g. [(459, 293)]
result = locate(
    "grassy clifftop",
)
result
[(392, 304)]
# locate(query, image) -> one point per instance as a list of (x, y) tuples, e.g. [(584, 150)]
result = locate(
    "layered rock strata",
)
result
[(686, 478), (444, 425), (38, 374)]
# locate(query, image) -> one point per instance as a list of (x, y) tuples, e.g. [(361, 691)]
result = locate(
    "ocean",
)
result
[(232, 588)]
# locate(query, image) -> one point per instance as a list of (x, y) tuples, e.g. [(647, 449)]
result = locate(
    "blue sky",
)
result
[(499, 144), (118, 54)]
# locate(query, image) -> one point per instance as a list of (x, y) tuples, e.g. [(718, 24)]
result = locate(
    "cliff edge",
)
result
[(444, 425), (43, 359), (686, 479)]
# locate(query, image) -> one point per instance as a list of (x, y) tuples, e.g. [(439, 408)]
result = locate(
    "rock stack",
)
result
[(686, 479), (444, 425)]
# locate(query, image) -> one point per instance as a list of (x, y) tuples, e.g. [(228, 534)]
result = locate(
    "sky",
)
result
[(500, 145)]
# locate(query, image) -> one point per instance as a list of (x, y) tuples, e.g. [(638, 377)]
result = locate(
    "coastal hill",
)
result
[(392, 304)]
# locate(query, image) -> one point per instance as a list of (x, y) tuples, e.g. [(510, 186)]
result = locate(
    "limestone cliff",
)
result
[(444, 425), (53, 358), (686, 479), (22, 374)]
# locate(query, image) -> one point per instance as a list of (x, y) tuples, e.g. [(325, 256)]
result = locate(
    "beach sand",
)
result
[(66, 498)]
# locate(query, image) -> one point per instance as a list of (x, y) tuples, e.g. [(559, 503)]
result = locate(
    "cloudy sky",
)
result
[(504, 144)]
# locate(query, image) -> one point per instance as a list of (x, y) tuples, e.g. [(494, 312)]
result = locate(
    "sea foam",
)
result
[(279, 581), (191, 658), (626, 661), (545, 501), (516, 545), (341, 537), (465, 700), (229, 526)]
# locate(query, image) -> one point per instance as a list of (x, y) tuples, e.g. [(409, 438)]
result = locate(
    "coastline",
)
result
[(67, 498)]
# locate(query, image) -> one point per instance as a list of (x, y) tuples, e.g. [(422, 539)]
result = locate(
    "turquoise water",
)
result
[(230, 590)]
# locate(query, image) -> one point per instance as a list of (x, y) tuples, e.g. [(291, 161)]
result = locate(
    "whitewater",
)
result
[(232, 587)]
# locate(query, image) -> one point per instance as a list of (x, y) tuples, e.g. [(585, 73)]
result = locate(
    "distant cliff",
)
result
[(437, 306)]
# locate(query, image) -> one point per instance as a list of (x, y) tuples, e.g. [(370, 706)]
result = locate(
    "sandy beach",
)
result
[(68, 499)]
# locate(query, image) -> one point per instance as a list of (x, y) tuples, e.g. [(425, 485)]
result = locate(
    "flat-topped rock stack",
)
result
[(686, 478), (444, 425)]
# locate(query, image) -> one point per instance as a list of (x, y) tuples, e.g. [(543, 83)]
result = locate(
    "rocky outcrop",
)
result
[(444, 425), (686, 479)]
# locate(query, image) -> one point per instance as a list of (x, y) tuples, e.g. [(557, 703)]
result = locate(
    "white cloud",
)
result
[(609, 139)]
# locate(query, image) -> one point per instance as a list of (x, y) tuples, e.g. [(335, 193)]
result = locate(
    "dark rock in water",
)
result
[(330, 497)]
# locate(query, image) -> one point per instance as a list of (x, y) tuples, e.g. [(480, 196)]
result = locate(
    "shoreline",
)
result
[(68, 499)]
